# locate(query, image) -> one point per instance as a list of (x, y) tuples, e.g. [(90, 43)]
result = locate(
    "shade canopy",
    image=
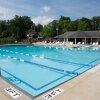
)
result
[(80, 34)]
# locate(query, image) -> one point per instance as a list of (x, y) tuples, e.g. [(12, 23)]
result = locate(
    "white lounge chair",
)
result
[(45, 41), (93, 43), (83, 43), (53, 42), (57, 42), (79, 43), (63, 43), (96, 43), (50, 42), (71, 43)]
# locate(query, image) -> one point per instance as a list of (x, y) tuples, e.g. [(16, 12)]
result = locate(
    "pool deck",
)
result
[(5, 96), (84, 87), (65, 45)]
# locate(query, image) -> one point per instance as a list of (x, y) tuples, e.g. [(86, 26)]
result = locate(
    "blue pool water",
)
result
[(36, 69)]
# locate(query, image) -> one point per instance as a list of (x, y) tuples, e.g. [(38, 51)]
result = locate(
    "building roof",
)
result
[(80, 34)]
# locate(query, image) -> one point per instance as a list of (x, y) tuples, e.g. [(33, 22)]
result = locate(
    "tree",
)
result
[(50, 30), (46, 31), (4, 29), (95, 21), (39, 28), (72, 26), (64, 23), (19, 26), (2, 26), (32, 29), (84, 24)]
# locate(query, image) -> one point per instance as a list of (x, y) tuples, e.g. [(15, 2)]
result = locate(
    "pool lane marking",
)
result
[(60, 61), (72, 72), (39, 65), (46, 67), (66, 62), (32, 86), (88, 63), (18, 79), (40, 86), (53, 81), (94, 61)]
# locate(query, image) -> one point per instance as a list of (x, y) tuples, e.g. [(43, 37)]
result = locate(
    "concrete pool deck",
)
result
[(84, 87), (66, 45), (5, 96)]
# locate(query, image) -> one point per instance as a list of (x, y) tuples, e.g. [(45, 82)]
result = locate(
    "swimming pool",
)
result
[(36, 69)]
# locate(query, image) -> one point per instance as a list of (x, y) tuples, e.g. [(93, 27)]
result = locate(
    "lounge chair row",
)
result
[(70, 43)]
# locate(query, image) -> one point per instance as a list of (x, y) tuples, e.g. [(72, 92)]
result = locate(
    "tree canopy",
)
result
[(19, 26), (65, 24)]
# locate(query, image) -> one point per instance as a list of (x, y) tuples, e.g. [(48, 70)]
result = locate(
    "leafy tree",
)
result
[(2, 26), (4, 29), (19, 26), (95, 21), (84, 24), (32, 29), (72, 26), (38, 28), (51, 30), (64, 23)]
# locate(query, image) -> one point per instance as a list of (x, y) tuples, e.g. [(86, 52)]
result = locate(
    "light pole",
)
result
[(57, 30), (57, 26)]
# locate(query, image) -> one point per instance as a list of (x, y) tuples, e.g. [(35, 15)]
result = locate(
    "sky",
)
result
[(45, 11)]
